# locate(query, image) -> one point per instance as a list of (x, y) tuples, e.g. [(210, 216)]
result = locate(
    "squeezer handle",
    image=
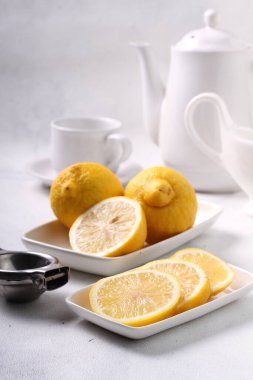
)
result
[(52, 278)]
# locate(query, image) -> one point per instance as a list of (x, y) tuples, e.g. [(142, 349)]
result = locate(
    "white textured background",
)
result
[(71, 57)]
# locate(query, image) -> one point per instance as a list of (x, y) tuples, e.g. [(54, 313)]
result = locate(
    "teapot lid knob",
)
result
[(211, 18), (210, 38)]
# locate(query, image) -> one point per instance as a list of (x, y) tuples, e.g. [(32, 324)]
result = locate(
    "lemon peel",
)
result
[(158, 193), (168, 200), (80, 186)]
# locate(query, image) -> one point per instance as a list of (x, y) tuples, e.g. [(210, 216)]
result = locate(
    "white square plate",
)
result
[(79, 303), (52, 238)]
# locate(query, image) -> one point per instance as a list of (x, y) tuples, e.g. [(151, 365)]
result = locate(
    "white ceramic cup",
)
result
[(88, 139), (236, 154)]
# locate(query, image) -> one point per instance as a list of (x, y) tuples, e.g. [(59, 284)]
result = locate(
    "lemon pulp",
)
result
[(113, 227), (136, 298), (194, 285)]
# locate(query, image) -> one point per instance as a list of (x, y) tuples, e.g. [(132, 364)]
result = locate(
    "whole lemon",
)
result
[(80, 186), (168, 200)]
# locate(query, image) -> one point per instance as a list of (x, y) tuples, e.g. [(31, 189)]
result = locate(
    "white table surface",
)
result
[(44, 339)]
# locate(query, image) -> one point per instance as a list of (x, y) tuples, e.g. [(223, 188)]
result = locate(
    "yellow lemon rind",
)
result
[(215, 289), (168, 200), (78, 187)]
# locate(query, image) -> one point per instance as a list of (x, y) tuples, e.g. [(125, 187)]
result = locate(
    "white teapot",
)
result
[(236, 152), (205, 60)]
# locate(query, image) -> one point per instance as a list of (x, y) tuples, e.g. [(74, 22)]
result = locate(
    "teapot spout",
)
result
[(153, 91)]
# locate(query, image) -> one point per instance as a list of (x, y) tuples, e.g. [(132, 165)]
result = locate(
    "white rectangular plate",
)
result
[(52, 238), (79, 303)]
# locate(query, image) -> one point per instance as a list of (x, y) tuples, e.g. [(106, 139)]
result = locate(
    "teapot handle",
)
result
[(225, 119)]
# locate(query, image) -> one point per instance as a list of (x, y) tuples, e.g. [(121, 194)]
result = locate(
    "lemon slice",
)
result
[(220, 275), (113, 227), (194, 285), (136, 298)]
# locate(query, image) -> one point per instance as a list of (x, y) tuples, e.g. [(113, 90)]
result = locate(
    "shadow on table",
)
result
[(51, 305), (48, 307), (226, 318)]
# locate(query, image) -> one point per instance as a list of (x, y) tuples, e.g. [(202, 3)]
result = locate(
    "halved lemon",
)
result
[(220, 275), (136, 298), (112, 227), (194, 285)]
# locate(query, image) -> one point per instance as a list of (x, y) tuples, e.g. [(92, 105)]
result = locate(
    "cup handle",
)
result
[(125, 151), (225, 119)]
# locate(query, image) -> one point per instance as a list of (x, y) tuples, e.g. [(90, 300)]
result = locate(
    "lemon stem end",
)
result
[(158, 193)]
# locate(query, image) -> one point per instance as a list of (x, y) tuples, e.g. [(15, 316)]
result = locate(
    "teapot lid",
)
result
[(210, 38)]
